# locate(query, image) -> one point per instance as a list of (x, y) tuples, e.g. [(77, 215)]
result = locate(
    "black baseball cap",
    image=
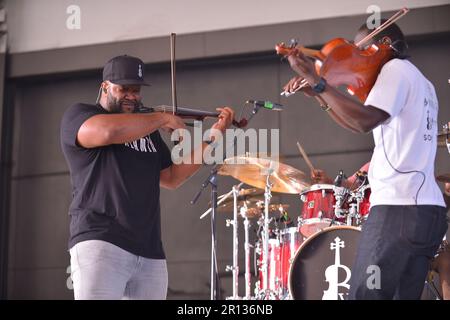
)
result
[(125, 70)]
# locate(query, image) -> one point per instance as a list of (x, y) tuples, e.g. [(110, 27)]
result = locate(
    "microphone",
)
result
[(267, 105)]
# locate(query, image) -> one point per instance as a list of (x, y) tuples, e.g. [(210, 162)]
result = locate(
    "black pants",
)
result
[(396, 245)]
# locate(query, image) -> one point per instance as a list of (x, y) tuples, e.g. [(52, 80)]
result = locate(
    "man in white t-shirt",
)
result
[(407, 220)]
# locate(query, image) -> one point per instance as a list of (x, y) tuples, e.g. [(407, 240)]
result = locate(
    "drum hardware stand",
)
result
[(235, 267), (299, 221), (446, 129), (247, 248), (355, 207), (340, 195), (212, 180), (266, 293), (353, 212), (432, 287)]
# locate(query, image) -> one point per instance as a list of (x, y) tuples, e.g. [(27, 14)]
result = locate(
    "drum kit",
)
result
[(286, 251), (309, 258)]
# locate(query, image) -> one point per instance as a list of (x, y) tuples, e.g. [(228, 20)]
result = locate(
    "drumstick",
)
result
[(305, 156)]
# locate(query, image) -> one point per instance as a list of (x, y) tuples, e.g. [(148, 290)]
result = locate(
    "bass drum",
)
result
[(321, 266)]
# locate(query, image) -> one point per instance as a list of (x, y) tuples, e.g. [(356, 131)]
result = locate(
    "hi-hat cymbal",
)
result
[(228, 206), (246, 193), (244, 196), (254, 208), (443, 177), (249, 198), (254, 170), (256, 212)]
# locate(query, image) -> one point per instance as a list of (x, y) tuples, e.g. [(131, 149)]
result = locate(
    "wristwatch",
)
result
[(319, 87)]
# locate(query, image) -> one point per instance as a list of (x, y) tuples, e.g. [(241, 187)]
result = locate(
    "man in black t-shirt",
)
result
[(117, 163)]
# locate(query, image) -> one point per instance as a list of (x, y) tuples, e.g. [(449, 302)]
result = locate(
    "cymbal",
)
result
[(228, 205), (253, 171), (443, 177), (255, 208), (246, 193), (250, 195), (256, 212)]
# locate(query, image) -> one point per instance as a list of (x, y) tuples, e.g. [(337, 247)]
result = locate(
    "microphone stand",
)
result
[(212, 180)]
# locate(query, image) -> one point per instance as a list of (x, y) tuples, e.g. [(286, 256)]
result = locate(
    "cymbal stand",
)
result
[(266, 293), (355, 207), (235, 267), (247, 248), (340, 193)]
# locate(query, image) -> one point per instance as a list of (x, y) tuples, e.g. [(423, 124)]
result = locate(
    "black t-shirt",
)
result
[(115, 188)]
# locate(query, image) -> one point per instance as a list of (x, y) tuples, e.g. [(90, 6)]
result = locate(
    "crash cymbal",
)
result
[(443, 177), (254, 170)]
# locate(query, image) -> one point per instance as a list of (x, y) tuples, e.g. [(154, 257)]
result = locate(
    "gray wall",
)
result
[(38, 258), (102, 21)]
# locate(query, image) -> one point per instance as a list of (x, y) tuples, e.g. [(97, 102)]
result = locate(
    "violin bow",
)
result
[(173, 72), (383, 26)]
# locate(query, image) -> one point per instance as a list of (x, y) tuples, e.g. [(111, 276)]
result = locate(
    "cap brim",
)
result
[(130, 82)]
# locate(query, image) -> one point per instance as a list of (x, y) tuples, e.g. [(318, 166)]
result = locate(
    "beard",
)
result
[(114, 104)]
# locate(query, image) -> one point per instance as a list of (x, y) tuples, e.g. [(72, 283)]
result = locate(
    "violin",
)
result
[(186, 113), (341, 62)]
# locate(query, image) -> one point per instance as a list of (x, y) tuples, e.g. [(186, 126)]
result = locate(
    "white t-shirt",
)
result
[(401, 171)]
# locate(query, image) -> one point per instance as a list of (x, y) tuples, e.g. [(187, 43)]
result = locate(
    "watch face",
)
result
[(320, 86)]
